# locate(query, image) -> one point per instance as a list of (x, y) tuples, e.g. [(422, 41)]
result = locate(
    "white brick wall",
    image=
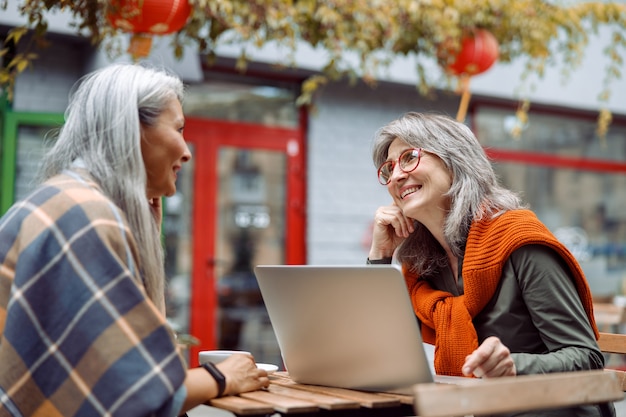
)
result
[(45, 86)]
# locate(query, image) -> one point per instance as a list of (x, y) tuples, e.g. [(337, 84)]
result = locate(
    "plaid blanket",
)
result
[(79, 337)]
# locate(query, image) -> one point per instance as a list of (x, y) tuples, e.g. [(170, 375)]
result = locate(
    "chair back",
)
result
[(613, 343)]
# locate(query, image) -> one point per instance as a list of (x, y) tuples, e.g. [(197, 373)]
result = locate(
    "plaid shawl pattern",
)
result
[(79, 336)]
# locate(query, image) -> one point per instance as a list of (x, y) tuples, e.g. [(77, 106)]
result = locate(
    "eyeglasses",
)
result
[(408, 161)]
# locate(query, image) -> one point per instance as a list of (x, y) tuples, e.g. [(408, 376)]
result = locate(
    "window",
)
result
[(22, 145), (243, 100), (574, 181)]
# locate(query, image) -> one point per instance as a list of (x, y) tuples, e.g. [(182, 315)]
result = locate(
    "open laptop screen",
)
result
[(345, 326)]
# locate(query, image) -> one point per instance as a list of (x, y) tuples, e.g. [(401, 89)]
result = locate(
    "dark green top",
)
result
[(537, 314)]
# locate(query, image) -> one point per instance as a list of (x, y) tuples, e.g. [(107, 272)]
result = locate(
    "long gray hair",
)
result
[(102, 127), (475, 193)]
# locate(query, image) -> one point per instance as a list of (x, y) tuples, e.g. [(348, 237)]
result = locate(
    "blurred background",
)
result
[(273, 182)]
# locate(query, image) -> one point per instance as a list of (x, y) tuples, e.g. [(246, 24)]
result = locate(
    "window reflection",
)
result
[(236, 101), (251, 207), (545, 133), (583, 208), (30, 151)]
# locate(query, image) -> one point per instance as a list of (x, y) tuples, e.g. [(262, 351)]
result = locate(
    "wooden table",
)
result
[(518, 394), (473, 396), (287, 397)]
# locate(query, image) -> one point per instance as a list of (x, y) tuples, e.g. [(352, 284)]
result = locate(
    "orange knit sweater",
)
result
[(447, 320)]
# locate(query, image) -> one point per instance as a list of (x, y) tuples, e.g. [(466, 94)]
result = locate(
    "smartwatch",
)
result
[(217, 375)]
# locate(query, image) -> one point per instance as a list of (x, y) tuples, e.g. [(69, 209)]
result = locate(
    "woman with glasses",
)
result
[(493, 289)]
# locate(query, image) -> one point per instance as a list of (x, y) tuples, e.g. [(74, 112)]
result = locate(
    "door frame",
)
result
[(207, 136)]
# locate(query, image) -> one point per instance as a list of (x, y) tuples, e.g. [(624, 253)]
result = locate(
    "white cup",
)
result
[(216, 356)]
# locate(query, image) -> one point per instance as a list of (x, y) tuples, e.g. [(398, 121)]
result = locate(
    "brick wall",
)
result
[(45, 86)]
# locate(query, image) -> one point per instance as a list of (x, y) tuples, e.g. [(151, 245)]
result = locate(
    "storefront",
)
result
[(272, 183)]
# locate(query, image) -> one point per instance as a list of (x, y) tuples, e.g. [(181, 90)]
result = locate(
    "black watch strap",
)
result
[(382, 261), (217, 375)]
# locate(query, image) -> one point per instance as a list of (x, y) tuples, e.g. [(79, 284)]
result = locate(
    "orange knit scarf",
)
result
[(447, 320)]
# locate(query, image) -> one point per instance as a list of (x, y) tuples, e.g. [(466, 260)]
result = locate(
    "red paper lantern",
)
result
[(477, 54), (144, 18)]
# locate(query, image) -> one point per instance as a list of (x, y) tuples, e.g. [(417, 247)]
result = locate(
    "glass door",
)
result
[(248, 209), (177, 234), (250, 229)]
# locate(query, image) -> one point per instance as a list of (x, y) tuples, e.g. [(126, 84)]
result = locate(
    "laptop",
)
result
[(345, 326)]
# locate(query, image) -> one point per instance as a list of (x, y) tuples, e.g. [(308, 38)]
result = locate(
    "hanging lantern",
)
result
[(477, 54), (144, 18)]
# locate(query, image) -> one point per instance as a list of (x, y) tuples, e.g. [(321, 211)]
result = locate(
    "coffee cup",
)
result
[(217, 356)]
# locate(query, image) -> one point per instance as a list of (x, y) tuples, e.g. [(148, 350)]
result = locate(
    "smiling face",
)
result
[(164, 150), (420, 193)]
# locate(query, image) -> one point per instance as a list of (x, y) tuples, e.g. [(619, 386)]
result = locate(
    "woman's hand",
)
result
[(491, 359), (242, 374), (390, 229)]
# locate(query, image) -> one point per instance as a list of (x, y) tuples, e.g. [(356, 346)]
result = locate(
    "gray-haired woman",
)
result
[(82, 311), (494, 290)]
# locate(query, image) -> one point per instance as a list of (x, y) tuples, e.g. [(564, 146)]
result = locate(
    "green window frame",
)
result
[(11, 121)]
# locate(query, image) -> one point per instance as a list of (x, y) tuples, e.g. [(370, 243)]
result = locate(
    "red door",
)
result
[(248, 209)]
